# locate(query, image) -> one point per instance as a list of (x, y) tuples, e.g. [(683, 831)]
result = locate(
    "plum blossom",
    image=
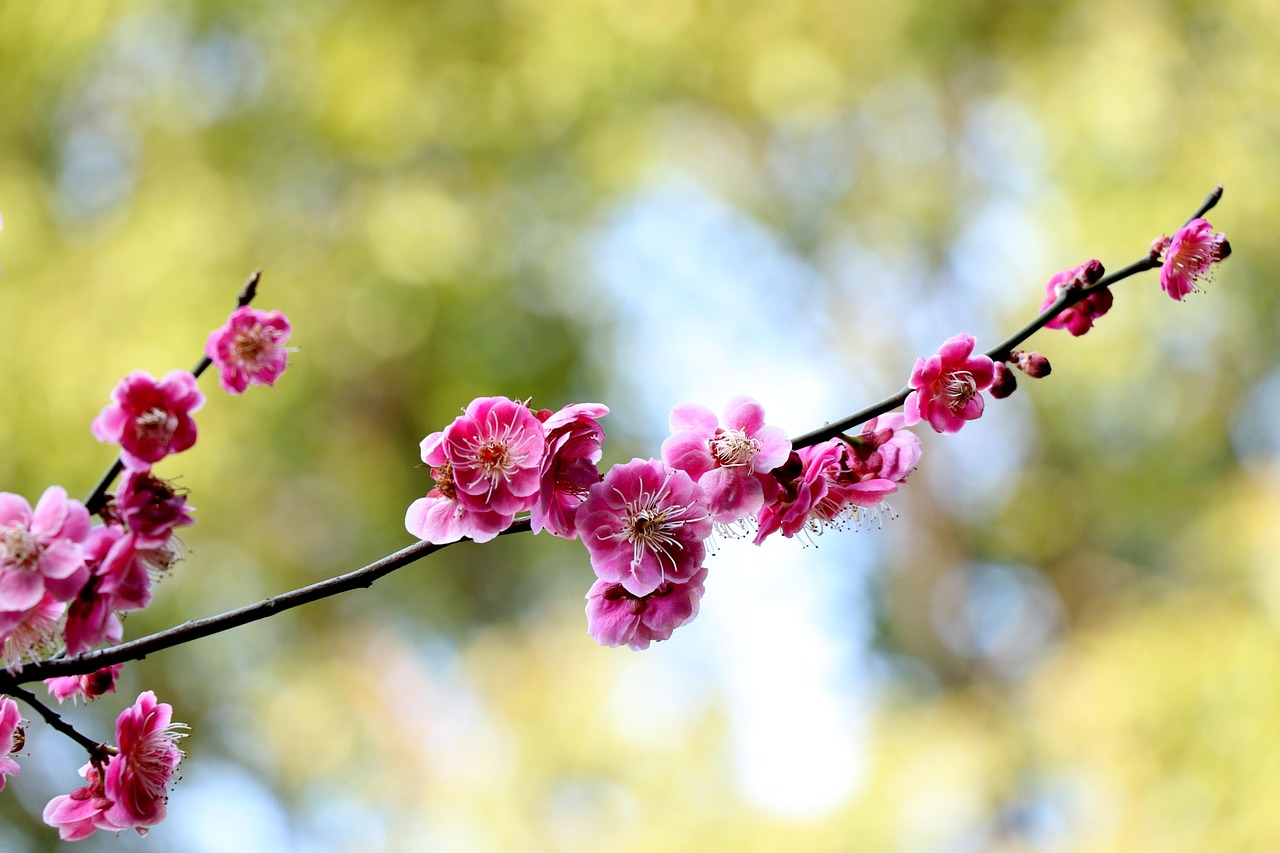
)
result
[(946, 387), (151, 507), (40, 550), (1188, 257), (644, 525), (439, 517), (249, 349), (496, 449), (569, 469), (731, 463), (150, 419), (615, 617), (90, 686), (11, 738), (33, 633), (1079, 317), (131, 789)]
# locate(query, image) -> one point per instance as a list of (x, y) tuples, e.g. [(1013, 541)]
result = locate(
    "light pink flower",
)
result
[(41, 551), (439, 517), (90, 686), (947, 386), (1078, 318), (82, 812), (149, 419), (249, 349), (151, 507), (137, 778), (11, 738), (615, 617), (730, 463), (1189, 257), (34, 633), (644, 525), (569, 466)]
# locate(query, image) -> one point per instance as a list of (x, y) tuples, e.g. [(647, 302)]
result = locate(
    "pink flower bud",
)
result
[(1031, 363), (1005, 382)]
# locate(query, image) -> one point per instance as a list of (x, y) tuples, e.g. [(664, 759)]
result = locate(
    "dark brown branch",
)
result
[(97, 751)]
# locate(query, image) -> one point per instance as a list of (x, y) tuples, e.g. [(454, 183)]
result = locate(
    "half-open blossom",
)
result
[(730, 463), (947, 387), (90, 686), (82, 812), (41, 551), (151, 507), (1077, 318), (644, 525), (11, 738), (615, 617), (249, 349), (137, 778), (1189, 257), (574, 439), (150, 419), (440, 517), (117, 581)]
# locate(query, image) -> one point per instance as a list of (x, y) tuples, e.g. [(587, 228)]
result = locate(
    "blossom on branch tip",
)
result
[(11, 738), (150, 419), (731, 463), (615, 617), (644, 525), (249, 349), (573, 450), (1079, 317), (947, 387), (41, 550), (1188, 257)]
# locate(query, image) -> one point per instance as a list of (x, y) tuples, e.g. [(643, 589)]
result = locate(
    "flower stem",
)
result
[(97, 751)]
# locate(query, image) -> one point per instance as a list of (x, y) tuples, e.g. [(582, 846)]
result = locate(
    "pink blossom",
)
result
[(82, 812), (90, 686), (1189, 256), (137, 778), (249, 349), (11, 738), (947, 386), (615, 617), (41, 551), (117, 581), (439, 517), (33, 633), (884, 449), (569, 466), (149, 419), (151, 507), (730, 463), (802, 485), (644, 525), (1077, 318), (496, 449)]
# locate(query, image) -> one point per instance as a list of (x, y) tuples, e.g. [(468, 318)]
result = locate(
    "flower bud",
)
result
[(1031, 363), (1005, 382), (1092, 272)]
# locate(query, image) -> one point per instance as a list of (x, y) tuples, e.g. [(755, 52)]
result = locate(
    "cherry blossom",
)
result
[(34, 633), (150, 419), (40, 550), (947, 387), (569, 467), (730, 463), (137, 778), (90, 686), (151, 507), (439, 517), (82, 812), (249, 349), (615, 617), (1189, 256), (644, 525), (1079, 317), (11, 738)]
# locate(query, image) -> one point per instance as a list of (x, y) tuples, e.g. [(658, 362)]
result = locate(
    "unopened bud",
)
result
[(1005, 382), (1031, 363), (1158, 246), (1092, 272), (1223, 250)]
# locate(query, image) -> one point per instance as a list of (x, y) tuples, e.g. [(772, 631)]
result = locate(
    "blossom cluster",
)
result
[(65, 581)]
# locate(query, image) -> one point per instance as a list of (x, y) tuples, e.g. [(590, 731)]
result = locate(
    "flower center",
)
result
[(959, 388), (155, 425), (733, 449), (18, 548)]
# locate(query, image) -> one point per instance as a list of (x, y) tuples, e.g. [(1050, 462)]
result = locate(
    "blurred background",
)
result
[(1068, 640)]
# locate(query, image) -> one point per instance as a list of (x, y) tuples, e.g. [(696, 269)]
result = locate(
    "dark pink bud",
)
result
[(1158, 246), (1031, 363), (1092, 272), (1005, 382)]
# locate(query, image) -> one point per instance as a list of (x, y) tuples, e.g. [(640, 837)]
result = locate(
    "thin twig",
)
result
[(97, 751)]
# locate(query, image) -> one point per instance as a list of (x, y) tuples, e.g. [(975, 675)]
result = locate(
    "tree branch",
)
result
[(97, 751)]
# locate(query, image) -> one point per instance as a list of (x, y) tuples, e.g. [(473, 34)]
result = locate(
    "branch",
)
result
[(97, 751)]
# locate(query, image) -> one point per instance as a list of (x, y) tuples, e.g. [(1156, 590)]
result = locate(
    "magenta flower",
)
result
[(615, 617), (137, 778), (644, 525), (1078, 318), (118, 580), (1189, 256), (496, 449), (89, 686), (439, 517), (149, 419), (151, 507), (11, 738), (947, 386), (732, 463), (249, 349), (884, 449), (569, 466), (41, 551)]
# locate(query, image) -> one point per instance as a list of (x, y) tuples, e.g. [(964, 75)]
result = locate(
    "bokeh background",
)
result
[(1068, 640)]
